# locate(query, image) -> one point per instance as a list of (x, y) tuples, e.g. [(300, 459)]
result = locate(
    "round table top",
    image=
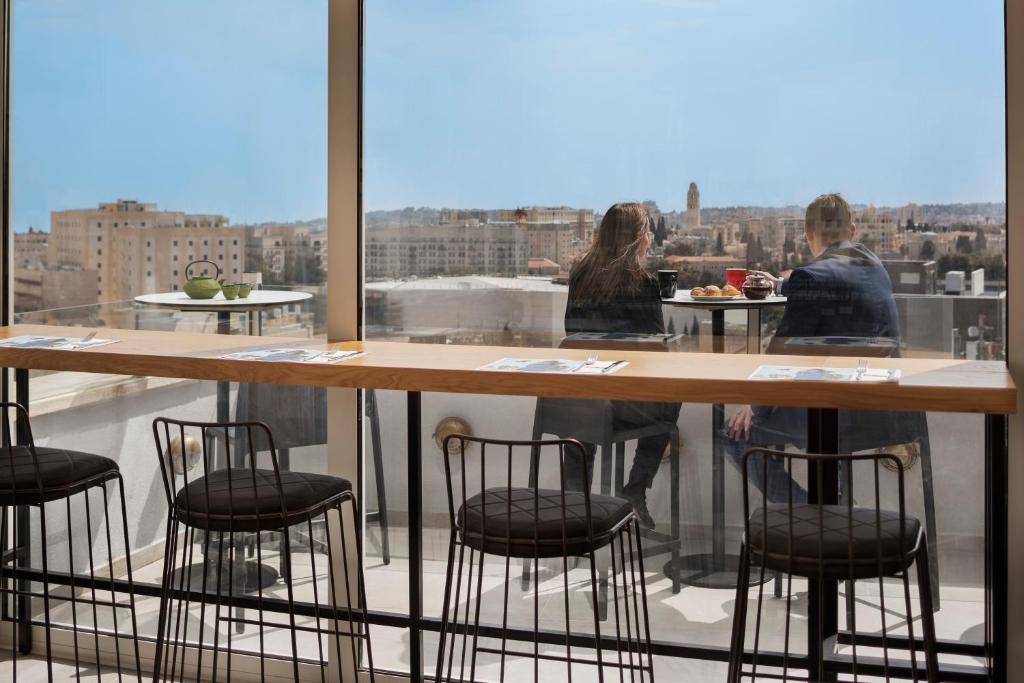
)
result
[(257, 299), (684, 299)]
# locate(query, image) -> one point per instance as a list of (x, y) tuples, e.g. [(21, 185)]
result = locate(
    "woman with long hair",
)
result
[(610, 290)]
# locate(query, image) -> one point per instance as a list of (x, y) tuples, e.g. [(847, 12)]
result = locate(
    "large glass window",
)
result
[(497, 136), (146, 137)]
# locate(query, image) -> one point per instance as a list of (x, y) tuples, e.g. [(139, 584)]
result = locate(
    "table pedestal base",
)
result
[(238, 576), (703, 571)]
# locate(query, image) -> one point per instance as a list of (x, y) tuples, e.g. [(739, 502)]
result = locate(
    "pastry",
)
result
[(698, 291), (729, 290), (712, 290)]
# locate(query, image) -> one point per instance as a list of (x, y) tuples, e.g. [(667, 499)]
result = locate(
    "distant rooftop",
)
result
[(529, 284)]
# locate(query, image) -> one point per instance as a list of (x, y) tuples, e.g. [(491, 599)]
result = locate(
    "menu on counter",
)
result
[(564, 367), (801, 373), (314, 356), (56, 343)]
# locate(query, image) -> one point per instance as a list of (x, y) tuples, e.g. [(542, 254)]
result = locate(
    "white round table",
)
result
[(258, 301)]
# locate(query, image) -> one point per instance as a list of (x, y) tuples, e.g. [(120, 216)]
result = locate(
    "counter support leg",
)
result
[(23, 529), (996, 544), (415, 484), (823, 487)]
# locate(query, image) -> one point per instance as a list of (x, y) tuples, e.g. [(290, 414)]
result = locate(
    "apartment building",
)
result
[(558, 242), (397, 251), (582, 219), (135, 248), (879, 230), (30, 248), (271, 247)]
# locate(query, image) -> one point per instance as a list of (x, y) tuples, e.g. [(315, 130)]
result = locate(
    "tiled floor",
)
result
[(693, 616)]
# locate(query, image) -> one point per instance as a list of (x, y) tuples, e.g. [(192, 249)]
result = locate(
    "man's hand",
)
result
[(739, 423)]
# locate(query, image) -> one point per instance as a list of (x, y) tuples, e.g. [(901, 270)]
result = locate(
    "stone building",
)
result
[(136, 248)]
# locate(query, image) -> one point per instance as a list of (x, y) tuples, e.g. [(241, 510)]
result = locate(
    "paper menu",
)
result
[(800, 373), (314, 356), (55, 343), (555, 366)]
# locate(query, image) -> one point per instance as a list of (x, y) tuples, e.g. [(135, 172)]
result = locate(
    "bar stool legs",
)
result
[(100, 598), (495, 521), (46, 480), (215, 509)]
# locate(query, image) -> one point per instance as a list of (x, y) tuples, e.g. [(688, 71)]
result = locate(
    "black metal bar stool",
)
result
[(242, 499), (32, 477), (592, 421), (493, 516), (840, 542)]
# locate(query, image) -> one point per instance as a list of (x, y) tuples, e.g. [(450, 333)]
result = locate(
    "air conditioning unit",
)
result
[(955, 280)]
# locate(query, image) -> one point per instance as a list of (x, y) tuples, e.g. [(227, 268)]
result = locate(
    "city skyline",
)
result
[(565, 105)]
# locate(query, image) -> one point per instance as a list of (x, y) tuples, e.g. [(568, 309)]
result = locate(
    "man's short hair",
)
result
[(829, 217)]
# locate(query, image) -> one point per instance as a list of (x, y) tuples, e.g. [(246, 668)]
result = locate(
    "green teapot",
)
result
[(202, 287)]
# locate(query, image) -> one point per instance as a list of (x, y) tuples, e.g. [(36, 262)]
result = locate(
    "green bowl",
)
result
[(230, 291), (244, 290)]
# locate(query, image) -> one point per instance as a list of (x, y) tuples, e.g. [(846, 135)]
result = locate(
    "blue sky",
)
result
[(221, 106)]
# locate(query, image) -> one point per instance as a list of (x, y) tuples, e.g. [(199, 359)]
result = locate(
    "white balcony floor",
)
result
[(693, 616)]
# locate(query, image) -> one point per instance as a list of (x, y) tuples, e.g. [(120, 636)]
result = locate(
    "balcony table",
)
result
[(718, 569), (946, 385), (259, 300)]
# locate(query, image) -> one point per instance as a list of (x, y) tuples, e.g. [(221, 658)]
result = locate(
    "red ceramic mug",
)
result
[(735, 277)]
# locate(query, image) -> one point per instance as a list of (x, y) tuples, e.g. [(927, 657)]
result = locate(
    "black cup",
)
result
[(667, 283)]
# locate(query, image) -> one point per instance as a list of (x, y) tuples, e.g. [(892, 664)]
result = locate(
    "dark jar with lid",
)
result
[(757, 287)]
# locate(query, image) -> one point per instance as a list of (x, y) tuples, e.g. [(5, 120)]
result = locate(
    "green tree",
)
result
[(980, 241), (719, 246), (927, 250), (661, 232), (948, 262), (963, 245), (679, 248)]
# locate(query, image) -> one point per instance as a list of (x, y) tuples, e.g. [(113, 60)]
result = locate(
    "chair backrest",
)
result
[(765, 468), (16, 430), (296, 414), (187, 451), (863, 429), (502, 464)]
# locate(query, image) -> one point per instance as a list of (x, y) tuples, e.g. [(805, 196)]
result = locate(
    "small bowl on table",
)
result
[(244, 290), (230, 291)]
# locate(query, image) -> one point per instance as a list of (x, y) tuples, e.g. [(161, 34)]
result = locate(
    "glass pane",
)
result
[(147, 136), (498, 137)]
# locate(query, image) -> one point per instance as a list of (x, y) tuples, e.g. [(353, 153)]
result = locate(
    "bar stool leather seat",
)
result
[(535, 528), (249, 500), (59, 470), (854, 543)]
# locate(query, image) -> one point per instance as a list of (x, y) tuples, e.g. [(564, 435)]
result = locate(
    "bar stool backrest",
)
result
[(16, 430), (187, 452)]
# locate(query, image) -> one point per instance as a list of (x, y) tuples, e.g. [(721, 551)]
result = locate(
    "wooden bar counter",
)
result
[(943, 385), (927, 384)]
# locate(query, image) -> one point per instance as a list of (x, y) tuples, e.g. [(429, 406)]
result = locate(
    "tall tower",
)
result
[(693, 206)]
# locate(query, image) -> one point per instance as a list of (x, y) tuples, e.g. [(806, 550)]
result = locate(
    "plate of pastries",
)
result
[(714, 293)]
